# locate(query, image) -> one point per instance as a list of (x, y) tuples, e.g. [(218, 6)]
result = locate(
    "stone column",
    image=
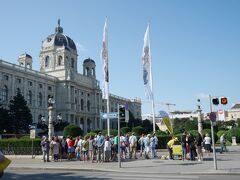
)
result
[(50, 122)]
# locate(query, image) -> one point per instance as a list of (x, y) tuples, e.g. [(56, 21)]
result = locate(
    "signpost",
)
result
[(32, 136), (111, 115), (213, 120)]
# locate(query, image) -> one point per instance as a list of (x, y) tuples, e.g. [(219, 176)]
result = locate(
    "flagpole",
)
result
[(104, 56), (108, 120), (151, 83)]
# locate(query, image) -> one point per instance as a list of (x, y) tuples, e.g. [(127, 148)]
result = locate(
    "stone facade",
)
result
[(78, 96)]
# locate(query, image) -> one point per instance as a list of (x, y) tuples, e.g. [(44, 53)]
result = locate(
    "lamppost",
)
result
[(51, 102), (199, 111)]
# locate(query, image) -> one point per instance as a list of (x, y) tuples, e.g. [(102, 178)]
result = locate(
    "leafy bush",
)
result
[(160, 133), (191, 125), (233, 132), (138, 130), (163, 140), (19, 143), (220, 133), (113, 132), (194, 133), (90, 134), (96, 131), (208, 131), (125, 130), (72, 130)]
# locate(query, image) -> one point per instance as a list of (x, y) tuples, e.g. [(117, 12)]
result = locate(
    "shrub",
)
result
[(113, 132), (125, 130), (194, 133), (233, 132), (220, 133), (96, 131), (72, 130), (90, 134), (208, 131), (191, 125), (163, 140), (160, 133), (19, 143), (138, 130)]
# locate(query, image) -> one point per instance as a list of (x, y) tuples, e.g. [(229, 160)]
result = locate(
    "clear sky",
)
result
[(194, 44)]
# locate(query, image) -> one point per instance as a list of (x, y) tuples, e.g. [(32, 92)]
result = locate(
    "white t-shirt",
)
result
[(207, 140), (133, 140), (107, 146)]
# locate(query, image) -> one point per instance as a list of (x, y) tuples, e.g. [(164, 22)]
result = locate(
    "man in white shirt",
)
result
[(133, 145)]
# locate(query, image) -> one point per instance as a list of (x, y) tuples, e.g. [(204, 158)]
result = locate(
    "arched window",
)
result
[(88, 105), (40, 99), (72, 61), (5, 93), (76, 103), (89, 124), (47, 61), (18, 91), (82, 104), (59, 60), (29, 97), (82, 124), (103, 109)]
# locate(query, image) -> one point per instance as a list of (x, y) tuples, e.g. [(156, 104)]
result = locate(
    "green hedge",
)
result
[(19, 143), (233, 132)]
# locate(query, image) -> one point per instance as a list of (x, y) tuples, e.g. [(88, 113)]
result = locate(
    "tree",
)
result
[(238, 122), (60, 125), (4, 120), (72, 130), (20, 114), (138, 130), (133, 122), (147, 125)]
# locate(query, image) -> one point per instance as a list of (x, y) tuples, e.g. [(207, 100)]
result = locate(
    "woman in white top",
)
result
[(107, 149), (90, 148), (207, 141)]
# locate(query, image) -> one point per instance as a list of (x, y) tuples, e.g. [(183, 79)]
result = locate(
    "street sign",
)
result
[(111, 115), (32, 133), (213, 116)]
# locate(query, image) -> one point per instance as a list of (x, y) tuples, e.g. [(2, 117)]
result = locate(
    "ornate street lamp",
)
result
[(51, 102)]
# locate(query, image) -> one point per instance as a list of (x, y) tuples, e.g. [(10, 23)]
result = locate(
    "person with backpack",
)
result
[(133, 146), (85, 146)]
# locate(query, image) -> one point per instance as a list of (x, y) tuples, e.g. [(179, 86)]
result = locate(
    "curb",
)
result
[(217, 172)]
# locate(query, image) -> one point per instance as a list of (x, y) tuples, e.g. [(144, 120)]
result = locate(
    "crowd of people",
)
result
[(98, 148), (192, 147), (101, 148)]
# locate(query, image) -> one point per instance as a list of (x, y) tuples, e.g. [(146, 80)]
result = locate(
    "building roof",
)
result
[(236, 106), (88, 60), (59, 39)]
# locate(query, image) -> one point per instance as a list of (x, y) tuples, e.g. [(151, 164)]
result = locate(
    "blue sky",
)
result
[(194, 44)]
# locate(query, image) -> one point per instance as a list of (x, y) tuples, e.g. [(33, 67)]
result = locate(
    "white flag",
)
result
[(146, 59), (104, 56)]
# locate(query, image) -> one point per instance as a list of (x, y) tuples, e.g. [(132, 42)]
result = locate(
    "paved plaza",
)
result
[(227, 164)]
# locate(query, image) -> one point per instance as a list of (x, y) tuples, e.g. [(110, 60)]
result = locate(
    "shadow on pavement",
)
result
[(43, 175)]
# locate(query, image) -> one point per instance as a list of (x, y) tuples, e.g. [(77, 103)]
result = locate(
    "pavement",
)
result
[(227, 164)]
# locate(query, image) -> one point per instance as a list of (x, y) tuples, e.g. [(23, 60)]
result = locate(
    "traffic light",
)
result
[(215, 101), (224, 100), (122, 112)]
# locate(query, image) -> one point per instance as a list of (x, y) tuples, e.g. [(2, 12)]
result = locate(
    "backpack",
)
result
[(85, 144)]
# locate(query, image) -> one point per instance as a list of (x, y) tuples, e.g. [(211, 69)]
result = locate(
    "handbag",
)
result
[(4, 164)]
